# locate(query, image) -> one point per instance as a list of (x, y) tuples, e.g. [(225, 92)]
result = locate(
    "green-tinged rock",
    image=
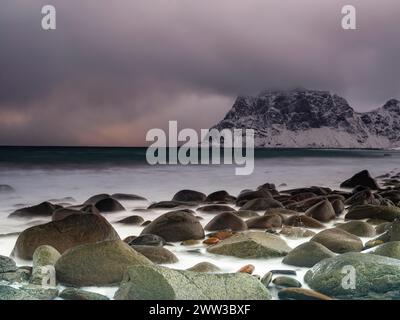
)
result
[(204, 267), (389, 249), (160, 283), (356, 276), (369, 211), (79, 294), (358, 228), (307, 254), (11, 293), (44, 258), (7, 265), (41, 293), (338, 241), (20, 275), (97, 264), (251, 245)]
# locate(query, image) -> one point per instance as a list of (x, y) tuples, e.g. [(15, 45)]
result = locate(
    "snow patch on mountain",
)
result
[(303, 118)]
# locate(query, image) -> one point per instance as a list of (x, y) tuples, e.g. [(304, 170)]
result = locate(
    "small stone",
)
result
[(190, 242), (301, 294), (7, 265), (158, 255), (283, 281), (303, 221), (204, 267), (247, 214), (266, 279), (249, 268), (373, 243), (79, 294), (222, 235), (132, 220), (265, 222), (211, 241), (296, 232), (322, 211), (148, 240)]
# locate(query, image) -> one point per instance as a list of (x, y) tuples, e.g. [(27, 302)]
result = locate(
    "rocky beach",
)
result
[(266, 237)]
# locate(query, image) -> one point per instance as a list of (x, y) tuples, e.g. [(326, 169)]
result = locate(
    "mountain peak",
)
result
[(312, 118), (392, 105)]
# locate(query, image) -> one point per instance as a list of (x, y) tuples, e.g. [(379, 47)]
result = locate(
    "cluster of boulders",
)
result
[(82, 248)]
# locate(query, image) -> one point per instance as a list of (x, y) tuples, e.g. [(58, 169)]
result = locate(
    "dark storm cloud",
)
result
[(114, 69)]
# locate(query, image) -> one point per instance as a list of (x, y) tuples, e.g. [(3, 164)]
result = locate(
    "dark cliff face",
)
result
[(276, 112)]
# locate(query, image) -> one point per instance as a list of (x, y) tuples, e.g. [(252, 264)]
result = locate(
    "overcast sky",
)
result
[(114, 69)]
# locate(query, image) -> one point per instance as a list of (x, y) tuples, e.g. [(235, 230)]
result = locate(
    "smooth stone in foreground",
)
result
[(97, 264), (64, 234), (375, 276), (160, 283)]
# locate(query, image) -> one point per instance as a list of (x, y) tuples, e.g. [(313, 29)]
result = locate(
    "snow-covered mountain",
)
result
[(313, 119)]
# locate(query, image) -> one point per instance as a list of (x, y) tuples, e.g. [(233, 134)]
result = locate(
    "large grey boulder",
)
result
[(356, 276), (160, 283)]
